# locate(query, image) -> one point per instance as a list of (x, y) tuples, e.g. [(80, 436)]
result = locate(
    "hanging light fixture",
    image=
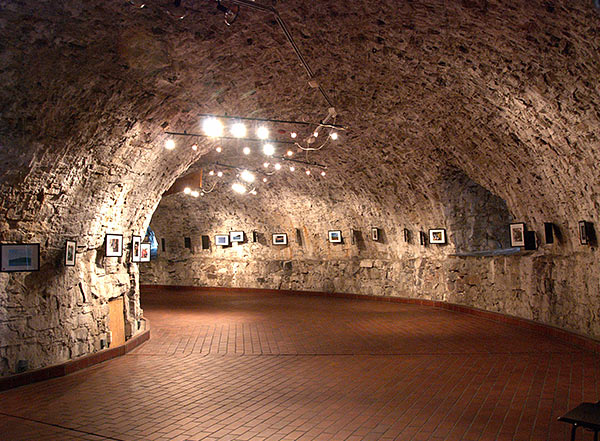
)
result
[(238, 188), (247, 176), (238, 130), (213, 127), (269, 149), (170, 144), (262, 132)]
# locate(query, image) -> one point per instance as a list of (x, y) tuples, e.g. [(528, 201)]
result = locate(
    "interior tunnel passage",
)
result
[(238, 366)]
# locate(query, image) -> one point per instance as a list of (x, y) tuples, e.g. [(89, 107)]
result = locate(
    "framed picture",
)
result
[(583, 233), (517, 235), (375, 233), (222, 240), (406, 235), (236, 236), (70, 252), (280, 239), (437, 236), (20, 257), (335, 236), (422, 238), (135, 248), (114, 245), (144, 252)]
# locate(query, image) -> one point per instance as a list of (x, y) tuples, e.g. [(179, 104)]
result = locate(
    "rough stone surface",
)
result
[(502, 96)]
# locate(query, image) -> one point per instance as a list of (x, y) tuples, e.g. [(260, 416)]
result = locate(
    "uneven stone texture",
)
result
[(502, 94)]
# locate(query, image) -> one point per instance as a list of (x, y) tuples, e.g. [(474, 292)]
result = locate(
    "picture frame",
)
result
[(406, 233), (136, 243), (114, 245), (222, 240), (584, 238), (375, 234), (335, 236), (236, 236), (145, 252), (437, 235), (70, 252), (517, 234), (280, 239), (22, 257), (422, 238)]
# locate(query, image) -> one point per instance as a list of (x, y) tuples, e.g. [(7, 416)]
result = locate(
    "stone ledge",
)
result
[(565, 336), (60, 370)]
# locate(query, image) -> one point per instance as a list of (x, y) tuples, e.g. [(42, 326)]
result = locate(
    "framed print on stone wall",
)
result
[(114, 245), (517, 235), (236, 236), (222, 240), (70, 252), (335, 236), (280, 239), (20, 257), (145, 252), (583, 233), (135, 248), (375, 234), (437, 236)]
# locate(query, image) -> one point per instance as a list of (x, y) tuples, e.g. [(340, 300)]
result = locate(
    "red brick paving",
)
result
[(283, 367)]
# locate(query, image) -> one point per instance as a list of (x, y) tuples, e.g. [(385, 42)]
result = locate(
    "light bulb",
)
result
[(247, 176), (194, 147), (293, 134), (290, 153), (264, 179), (201, 193), (238, 130), (266, 165), (213, 127), (268, 149), (238, 188), (262, 132), (316, 134), (211, 173), (334, 136), (292, 168), (308, 172), (169, 144), (220, 174), (277, 166), (219, 149), (187, 190), (253, 192), (323, 173), (195, 194), (247, 150)]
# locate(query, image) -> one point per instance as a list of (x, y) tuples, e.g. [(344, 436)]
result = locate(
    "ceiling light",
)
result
[(277, 166), (293, 134), (308, 172), (262, 132), (187, 190), (195, 194), (268, 149), (266, 165), (219, 149), (264, 179), (247, 150), (323, 173), (220, 174), (169, 144), (290, 153), (253, 192), (213, 127), (247, 176), (238, 130), (211, 173), (334, 136), (316, 134), (194, 147), (238, 188), (292, 168)]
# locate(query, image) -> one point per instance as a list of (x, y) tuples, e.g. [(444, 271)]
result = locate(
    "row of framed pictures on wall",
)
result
[(140, 251), (521, 237)]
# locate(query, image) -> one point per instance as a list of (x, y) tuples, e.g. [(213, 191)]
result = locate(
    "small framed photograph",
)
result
[(70, 252), (517, 235), (406, 235), (114, 245), (422, 238), (236, 236), (375, 234), (222, 240), (584, 238), (335, 236), (20, 257), (135, 248), (437, 236), (280, 239), (144, 252)]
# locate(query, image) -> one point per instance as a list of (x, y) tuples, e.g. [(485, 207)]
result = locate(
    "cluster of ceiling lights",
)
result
[(213, 128)]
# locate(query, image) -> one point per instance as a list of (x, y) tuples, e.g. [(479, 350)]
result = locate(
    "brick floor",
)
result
[(223, 366)]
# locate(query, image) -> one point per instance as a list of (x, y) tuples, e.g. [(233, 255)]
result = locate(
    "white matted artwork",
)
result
[(236, 236), (280, 239), (145, 252), (374, 234), (20, 257), (517, 235), (335, 236), (437, 236), (114, 245), (222, 240), (70, 252)]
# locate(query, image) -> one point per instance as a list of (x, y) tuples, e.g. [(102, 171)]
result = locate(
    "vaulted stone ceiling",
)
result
[(505, 91)]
